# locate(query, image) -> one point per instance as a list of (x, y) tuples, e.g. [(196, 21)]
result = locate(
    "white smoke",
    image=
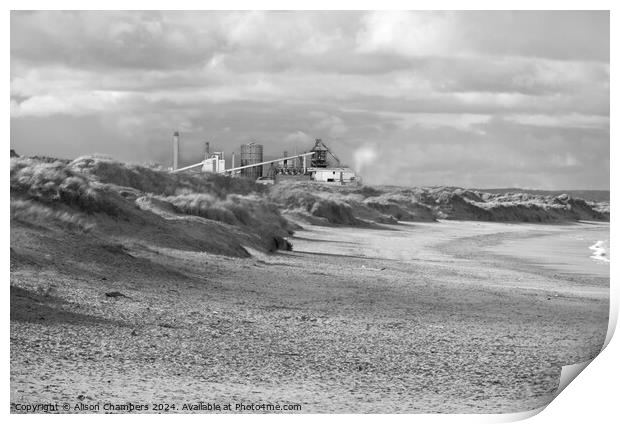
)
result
[(363, 157)]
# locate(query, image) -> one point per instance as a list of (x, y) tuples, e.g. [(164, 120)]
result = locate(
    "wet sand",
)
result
[(438, 317)]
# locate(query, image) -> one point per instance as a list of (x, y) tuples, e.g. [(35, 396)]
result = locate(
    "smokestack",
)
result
[(206, 150), (233, 160), (175, 150)]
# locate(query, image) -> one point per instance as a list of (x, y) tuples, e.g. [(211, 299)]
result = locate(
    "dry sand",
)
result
[(442, 317)]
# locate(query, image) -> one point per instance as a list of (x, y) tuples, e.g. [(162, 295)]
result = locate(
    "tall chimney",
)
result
[(206, 150), (175, 150), (233, 160)]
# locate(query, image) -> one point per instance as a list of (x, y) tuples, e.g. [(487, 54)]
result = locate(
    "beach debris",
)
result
[(372, 269), (115, 294)]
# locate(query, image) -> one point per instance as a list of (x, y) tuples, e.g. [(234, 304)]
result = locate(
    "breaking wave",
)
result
[(600, 251)]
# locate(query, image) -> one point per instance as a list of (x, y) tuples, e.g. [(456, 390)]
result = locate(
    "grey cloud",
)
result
[(566, 35), (460, 98), (106, 40)]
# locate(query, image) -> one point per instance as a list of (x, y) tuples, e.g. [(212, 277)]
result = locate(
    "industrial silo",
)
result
[(252, 153)]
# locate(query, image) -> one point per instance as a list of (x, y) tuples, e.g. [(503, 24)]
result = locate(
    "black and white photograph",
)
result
[(306, 211)]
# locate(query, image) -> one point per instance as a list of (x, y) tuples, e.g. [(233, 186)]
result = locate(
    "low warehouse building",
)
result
[(333, 175)]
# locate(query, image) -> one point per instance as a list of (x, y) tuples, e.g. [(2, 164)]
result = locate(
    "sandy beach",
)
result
[(453, 316)]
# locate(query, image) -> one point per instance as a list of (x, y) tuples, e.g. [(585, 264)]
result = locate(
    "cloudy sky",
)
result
[(476, 99)]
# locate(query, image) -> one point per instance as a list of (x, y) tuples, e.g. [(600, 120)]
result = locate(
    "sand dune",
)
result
[(348, 205), (122, 202)]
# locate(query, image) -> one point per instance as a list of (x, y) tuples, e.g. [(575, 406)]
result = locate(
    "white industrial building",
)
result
[(332, 175), (215, 164)]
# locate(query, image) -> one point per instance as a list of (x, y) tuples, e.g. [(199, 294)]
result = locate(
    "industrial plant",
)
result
[(318, 164)]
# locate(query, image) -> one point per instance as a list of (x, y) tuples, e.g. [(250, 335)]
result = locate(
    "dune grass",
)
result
[(78, 195), (71, 194), (55, 183), (33, 213)]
